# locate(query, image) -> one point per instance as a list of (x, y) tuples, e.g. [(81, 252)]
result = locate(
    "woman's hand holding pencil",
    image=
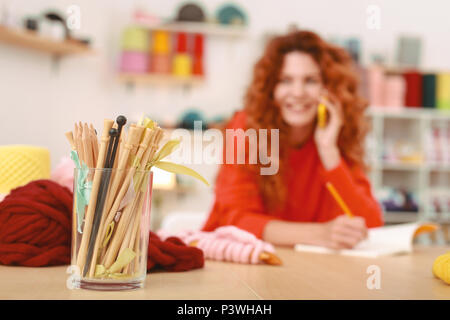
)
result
[(343, 232), (346, 231)]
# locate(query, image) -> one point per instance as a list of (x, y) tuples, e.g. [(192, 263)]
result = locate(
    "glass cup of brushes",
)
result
[(111, 206)]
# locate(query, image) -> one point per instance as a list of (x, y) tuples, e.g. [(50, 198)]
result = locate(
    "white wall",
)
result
[(38, 104)]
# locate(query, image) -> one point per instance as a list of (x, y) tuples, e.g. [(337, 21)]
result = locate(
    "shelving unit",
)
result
[(32, 40), (410, 124), (153, 78), (206, 28)]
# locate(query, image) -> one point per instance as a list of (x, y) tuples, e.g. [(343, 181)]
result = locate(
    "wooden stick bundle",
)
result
[(81, 256), (127, 214), (144, 142)]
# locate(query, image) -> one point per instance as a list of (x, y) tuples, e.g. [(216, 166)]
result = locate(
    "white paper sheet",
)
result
[(381, 241)]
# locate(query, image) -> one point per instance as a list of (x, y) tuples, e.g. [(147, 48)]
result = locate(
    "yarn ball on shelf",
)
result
[(190, 12), (230, 14)]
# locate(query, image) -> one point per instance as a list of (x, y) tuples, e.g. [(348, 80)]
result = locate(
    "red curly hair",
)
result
[(338, 77)]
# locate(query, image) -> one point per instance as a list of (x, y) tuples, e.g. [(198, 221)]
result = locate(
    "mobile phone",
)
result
[(322, 115)]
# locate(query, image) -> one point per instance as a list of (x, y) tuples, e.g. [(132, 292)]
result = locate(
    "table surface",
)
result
[(302, 276)]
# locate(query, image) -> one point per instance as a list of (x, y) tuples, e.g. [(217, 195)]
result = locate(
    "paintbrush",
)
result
[(104, 186), (103, 189)]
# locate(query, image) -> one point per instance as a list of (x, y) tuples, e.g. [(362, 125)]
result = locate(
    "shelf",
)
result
[(408, 112), (410, 167), (200, 27), (401, 166), (438, 168), (403, 69), (400, 217), (148, 78), (32, 40)]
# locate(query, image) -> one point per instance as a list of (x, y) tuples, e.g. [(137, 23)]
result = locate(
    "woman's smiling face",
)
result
[(299, 89)]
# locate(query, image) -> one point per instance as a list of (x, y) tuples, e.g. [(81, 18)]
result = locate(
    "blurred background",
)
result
[(178, 61)]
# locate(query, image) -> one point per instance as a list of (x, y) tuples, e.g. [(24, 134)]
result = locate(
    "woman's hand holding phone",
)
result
[(326, 136)]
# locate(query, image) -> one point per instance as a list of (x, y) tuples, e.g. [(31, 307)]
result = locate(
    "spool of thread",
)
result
[(197, 68), (394, 91), (181, 43), (413, 96), (429, 90), (376, 79), (160, 61), (20, 164), (160, 42), (191, 12), (443, 91), (231, 14), (182, 65), (135, 62), (182, 62), (135, 39)]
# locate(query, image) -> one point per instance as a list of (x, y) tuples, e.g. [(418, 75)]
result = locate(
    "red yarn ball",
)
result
[(36, 228), (35, 225)]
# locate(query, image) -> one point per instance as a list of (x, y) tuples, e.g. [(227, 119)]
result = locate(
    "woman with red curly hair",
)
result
[(295, 73)]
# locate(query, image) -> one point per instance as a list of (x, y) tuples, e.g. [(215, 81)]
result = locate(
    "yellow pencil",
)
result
[(338, 199)]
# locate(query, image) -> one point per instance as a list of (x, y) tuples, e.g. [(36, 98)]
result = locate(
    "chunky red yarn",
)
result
[(172, 254), (35, 227), (35, 231)]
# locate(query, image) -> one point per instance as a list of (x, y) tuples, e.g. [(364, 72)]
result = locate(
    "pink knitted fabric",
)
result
[(63, 173), (227, 243)]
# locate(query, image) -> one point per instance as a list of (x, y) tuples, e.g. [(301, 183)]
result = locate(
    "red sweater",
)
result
[(238, 200)]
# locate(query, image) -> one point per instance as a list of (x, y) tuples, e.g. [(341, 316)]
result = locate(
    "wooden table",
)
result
[(303, 276)]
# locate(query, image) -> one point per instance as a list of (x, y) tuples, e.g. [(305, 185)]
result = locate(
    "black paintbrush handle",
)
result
[(97, 217), (121, 120), (101, 196)]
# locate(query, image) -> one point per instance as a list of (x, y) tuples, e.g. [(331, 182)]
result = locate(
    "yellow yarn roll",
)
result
[(21, 164), (161, 42), (182, 65), (441, 267)]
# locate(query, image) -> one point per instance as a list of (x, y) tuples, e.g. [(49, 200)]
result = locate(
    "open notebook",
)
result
[(381, 241)]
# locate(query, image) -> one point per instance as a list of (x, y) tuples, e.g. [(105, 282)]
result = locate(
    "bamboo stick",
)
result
[(78, 143), (118, 237), (138, 259), (87, 146), (69, 136), (133, 139), (123, 159), (130, 238), (132, 233), (145, 158), (104, 221), (94, 141), (81, 257), (119, 233), (128, 230)]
